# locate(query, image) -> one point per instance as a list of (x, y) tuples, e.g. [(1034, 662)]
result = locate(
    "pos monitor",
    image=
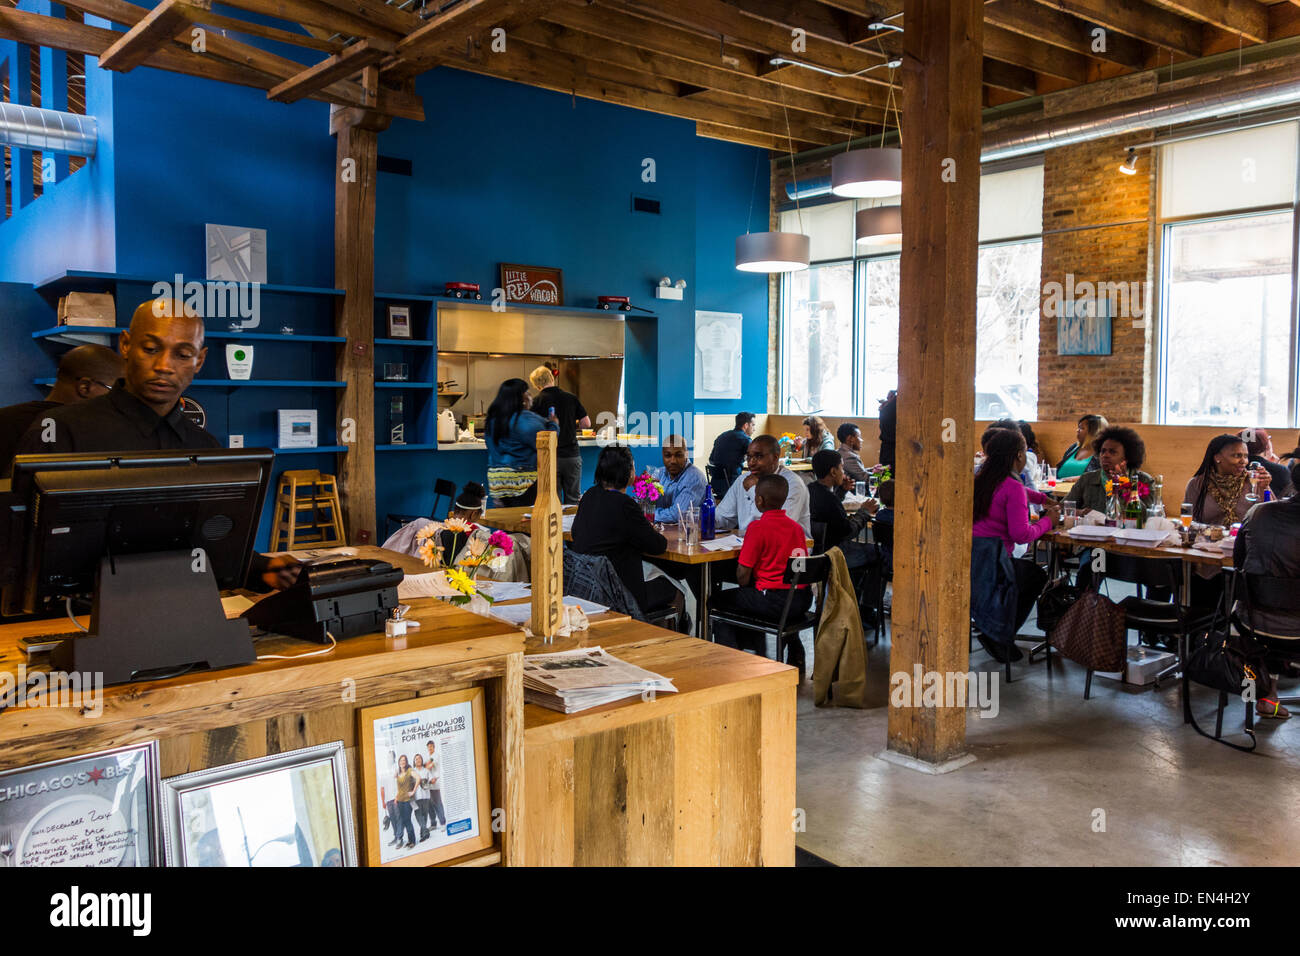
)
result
[(152, 536)]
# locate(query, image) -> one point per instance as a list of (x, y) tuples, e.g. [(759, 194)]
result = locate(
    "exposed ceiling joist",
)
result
[(337, 67), (153, 30)]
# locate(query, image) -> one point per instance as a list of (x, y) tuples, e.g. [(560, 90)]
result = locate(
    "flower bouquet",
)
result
[(790, 444), (492, 553), (647, 490)]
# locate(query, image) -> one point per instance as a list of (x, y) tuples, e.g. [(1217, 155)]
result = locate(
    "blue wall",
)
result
[(502, 172)]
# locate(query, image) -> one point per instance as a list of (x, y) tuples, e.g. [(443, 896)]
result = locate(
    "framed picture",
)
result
[(1083, 327), (297, 427), (289, 809), (424, 779), (399, 321), (100, 809), (535, 285)]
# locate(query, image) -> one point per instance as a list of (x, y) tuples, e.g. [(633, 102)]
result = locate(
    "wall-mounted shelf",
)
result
[(264, 383), (318, 450), (414, 343), (411, 296), (274, 337), (545, 309), (405, 447), (404, 385), (60, 330), (75, 280)]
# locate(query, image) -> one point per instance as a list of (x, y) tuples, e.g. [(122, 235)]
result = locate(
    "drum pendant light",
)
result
[(879, 225), (867, 173), (774, 251)]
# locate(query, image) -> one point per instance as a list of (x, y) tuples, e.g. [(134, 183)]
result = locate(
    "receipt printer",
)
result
[(342, 597)]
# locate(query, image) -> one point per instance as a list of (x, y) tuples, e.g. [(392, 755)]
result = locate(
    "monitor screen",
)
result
[(75, 509)]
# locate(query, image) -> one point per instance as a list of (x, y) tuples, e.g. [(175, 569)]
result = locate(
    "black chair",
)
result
[(1147, 615), (882, 533), (719, 480), (812, 570), (442, 488), (818, 536), (1273, 595)]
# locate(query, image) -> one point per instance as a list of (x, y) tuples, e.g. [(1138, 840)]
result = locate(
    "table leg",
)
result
[(1186, 597), (702, 630)]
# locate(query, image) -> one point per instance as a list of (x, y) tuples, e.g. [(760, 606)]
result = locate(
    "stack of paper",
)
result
[(570, 681), (727, 542)]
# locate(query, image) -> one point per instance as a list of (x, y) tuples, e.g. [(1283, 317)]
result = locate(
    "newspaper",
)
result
[(570, 681)]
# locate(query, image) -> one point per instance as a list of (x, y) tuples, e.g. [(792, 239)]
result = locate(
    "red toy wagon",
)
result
[(620, 302), (463, 290)]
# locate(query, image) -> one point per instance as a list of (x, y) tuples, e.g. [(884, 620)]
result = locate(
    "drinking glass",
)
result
[(1253, 475), (872, 484), (1051, 476), (860, 489), (1069, 514), (1185, 515)]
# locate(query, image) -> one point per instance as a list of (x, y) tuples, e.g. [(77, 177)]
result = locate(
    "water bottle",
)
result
[(707, 511)]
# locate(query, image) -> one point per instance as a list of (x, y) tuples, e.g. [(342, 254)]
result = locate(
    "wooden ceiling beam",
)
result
[(1137, 19), (421, 50), (1000, 44), (1009, 78), (565, 40), (718, 19), (1246, 18), (1050, 26), (667, 40), (387, 15), (153, 30), (340, 66), (309, 13), (769, 141), (217, 21), (522, 63)]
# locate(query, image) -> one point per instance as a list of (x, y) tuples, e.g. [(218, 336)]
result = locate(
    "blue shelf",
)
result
[(76, 330), (74, 280), (275, 337), (573, 309), (319, 450), (406, 447), (416, 343), (404, 385), (263, 383), (412, 296)]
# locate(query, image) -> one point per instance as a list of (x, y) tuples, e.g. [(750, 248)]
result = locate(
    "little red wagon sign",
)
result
[(536, 285)]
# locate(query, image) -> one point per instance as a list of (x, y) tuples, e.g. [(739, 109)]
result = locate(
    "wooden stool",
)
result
[(306, 491)]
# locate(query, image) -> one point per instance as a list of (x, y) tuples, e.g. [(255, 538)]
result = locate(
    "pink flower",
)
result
[(502, 540)]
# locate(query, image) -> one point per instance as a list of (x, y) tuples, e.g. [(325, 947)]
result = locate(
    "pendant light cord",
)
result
[(794, 172), (753, 191)]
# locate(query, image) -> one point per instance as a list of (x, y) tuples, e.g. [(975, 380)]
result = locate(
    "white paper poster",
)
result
[(717, 354)]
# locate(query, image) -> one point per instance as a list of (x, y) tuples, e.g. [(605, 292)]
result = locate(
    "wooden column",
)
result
[(354, 272), (936, 364)]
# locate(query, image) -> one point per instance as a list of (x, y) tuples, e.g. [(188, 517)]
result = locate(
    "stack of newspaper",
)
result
[(570, 681)]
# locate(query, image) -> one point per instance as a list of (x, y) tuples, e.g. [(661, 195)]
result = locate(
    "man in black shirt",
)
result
[(888, 427), (572, 416), (85, 372), (825, 507), (163, 350), (729, 449)]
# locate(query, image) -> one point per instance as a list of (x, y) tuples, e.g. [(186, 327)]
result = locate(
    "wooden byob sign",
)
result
[(548, 544), (535, 285)]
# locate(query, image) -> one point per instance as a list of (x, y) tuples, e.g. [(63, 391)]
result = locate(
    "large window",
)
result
[(1228, 314), (839, 318)]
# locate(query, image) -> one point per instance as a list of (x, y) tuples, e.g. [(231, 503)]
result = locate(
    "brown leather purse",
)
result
[(1092, 632)]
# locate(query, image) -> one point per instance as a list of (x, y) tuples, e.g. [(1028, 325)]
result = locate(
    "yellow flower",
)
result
[(461, 582), (457, 526), (430, 553), (428, 531)]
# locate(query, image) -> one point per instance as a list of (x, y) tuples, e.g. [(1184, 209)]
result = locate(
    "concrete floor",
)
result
[(1045, 765)]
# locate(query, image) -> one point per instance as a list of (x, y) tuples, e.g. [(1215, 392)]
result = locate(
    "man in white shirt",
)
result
[(763, 457)]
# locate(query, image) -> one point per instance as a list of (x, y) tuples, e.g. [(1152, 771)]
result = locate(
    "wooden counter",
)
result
[(702, 777)]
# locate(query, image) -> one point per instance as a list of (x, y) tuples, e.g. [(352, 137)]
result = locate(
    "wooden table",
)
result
[(1188, 556), (704, 776)]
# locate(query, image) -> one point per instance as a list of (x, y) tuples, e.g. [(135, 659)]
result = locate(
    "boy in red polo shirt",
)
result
[(770, 542)]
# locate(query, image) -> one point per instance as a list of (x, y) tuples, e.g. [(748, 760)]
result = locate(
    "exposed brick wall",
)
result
[(1097, 227)]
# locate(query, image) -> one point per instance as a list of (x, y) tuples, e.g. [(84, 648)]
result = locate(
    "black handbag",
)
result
[(1055, 600), (1222, 661)]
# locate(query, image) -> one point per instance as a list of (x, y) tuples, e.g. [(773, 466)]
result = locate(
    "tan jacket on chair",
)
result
[(839, 657)]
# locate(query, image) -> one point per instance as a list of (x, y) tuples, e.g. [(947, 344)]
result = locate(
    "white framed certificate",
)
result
[(297, 427), (717, 354)]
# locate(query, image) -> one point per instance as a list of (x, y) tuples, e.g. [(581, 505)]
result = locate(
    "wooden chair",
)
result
[(814, 571), (315, 495)]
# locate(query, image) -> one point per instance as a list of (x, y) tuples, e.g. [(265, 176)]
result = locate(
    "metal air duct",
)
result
[(29, 127)]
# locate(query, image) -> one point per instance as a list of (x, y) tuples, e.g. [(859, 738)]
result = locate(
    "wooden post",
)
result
[(936, 367), (354, 272), (548, 544)]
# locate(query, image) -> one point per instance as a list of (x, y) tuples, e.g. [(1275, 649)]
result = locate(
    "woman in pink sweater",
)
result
[(1002, 511)]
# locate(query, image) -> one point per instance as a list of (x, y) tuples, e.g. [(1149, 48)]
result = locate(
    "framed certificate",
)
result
[(100, 809), (399, 321), (424, 779)]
